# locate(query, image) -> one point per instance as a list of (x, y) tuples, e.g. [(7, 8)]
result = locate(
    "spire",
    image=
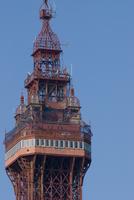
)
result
[(22, 99), (47, 39), (72, 92), (22, 107)]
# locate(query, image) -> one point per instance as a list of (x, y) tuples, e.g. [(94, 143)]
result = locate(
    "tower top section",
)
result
[(46, 11), (46, 40)]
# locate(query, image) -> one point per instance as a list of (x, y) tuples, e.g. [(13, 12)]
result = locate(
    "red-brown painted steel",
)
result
[(52, 114)]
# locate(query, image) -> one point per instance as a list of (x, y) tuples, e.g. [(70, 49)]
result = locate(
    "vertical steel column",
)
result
[(71, 177), (42, 177)]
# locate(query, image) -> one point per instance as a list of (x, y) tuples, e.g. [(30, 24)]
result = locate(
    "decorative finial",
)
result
[(45, 11), (72, 92), (22, 98)]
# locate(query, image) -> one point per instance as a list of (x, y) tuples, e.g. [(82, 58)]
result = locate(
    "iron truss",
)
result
[(48, 178)]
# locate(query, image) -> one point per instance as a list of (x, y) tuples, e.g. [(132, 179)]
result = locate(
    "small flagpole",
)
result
[(71, 70), (71, 74)]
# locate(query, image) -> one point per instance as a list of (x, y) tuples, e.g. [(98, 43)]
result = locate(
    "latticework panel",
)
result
[(41, 177)]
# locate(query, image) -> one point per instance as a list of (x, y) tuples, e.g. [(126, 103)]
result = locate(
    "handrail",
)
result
[(47, 74)]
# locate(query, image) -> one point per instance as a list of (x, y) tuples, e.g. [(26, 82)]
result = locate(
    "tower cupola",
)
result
[(46, 40)]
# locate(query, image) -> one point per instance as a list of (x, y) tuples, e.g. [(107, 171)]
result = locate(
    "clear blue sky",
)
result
[(100, 38)]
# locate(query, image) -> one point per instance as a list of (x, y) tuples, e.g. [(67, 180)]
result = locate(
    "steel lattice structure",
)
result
[(49, 150)]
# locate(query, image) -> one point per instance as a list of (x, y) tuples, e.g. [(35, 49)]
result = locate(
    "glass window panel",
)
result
[(71, 144), (76, 144), (56, 143), (66, 143), (61, 144), (37, 142), (51, 143), (19, 145), (80, 145), (32, 142), (22, 144), (27, 143), (47, 143), (42, 142)]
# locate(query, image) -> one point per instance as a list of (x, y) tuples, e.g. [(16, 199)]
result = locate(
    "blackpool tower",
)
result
[(48, 152)]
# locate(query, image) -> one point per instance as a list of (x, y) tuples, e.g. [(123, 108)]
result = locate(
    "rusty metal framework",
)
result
[(46, 39), (48, 152), (46, 177)]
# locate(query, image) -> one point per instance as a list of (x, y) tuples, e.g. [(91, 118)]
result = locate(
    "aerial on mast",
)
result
[(46, 2)]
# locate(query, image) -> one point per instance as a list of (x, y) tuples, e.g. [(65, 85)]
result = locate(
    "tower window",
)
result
[(37, 142), (81, 146), (56, 143), (51, 143), (27, 143), (66, 143), (22, 144), (61, 144), (30, 143), (71, 144), (42, 142), (60, 93), (76, 145), (42, 90), (52, 92), (47, 143)]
